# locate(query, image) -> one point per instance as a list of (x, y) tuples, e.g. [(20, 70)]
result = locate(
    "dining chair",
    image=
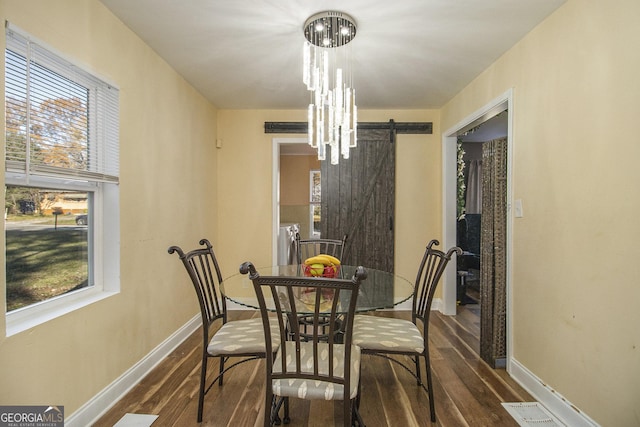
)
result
[(387, 337), (309, 368), (306, 248), (243, 339)]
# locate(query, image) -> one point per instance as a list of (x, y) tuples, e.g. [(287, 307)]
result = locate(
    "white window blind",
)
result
[(61, 122)]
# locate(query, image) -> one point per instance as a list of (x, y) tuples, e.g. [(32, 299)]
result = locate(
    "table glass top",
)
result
[(378, 291)]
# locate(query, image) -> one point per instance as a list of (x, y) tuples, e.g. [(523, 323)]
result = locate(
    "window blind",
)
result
[(61, 121)]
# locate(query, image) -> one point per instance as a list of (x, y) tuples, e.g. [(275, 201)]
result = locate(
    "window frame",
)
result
[(104, 210), (312, 204)]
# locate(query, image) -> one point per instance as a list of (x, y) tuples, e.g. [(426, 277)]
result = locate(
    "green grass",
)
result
[(42, 264), (44, 219)]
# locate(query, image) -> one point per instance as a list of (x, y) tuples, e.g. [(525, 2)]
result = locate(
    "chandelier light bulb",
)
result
[(332, 113)]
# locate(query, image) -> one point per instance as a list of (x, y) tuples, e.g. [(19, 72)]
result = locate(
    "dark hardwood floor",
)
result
[(467, 391)]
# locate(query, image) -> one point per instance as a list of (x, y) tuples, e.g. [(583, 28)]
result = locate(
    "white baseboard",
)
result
[(553, 401), (91, 411)]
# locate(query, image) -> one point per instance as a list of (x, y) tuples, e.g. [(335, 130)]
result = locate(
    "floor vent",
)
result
[(531, 414), (136, 420)]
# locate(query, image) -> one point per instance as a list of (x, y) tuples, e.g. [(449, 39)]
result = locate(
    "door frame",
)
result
[(275, 189), (449, 213)]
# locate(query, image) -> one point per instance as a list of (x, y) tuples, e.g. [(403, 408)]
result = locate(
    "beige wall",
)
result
[(167, 196), (575, 136), (295, 190), (294, 178)]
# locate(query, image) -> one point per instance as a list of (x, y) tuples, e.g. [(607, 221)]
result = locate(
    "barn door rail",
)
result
[(397, 127)]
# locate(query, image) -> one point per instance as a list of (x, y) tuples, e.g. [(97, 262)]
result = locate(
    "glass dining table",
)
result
[(380, 290)]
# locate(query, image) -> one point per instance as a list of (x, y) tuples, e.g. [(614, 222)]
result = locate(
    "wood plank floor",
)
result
[(467, 391)]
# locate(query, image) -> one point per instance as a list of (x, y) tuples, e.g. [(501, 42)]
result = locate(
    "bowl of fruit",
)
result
[(321, 265)]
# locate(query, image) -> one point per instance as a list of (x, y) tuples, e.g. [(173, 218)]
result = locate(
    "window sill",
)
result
[(26, 318)]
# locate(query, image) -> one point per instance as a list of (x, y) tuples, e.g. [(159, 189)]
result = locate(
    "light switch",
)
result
[(518, 211)]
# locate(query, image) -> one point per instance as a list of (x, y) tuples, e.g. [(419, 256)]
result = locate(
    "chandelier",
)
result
[(332, 113)]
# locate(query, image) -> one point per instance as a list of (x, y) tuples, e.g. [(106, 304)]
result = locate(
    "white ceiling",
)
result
[(407, 54)]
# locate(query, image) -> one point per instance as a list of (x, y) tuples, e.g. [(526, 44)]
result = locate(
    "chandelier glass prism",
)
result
[(332, 111)]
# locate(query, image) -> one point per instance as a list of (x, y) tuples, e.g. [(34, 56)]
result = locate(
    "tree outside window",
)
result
[(314, 202)]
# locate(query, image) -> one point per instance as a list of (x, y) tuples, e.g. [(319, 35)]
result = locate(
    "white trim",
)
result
[(275, 189), (33, 315), (553, 401), (92, 410), (501, 103), (449, 184)]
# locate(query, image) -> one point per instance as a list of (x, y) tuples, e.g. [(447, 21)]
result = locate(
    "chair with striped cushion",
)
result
[(243, 339), (309, 367), (388, 337)]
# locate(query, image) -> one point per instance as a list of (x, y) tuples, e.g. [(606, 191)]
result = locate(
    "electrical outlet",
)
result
[(517, 208)]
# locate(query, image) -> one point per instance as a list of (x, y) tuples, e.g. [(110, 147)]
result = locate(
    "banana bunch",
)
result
[(322, 265), (323, 259)]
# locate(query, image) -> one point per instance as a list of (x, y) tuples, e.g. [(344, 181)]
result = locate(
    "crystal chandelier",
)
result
[(332, 113)]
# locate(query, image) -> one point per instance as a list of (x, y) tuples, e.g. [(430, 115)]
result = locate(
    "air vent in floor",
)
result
[(531, 414)]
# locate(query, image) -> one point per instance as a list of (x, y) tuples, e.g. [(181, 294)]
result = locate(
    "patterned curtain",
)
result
[(493, 253)]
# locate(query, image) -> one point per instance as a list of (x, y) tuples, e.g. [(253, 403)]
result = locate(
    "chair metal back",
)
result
[(203, 269), (306, 248), (322, 300), (432, 266)]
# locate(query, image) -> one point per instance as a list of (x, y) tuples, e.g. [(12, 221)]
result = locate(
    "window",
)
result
[(61, 175), (314, 203)]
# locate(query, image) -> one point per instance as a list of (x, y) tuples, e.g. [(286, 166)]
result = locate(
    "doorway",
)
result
[(480, 152), (282, 146), (357, 175), (478, 120)]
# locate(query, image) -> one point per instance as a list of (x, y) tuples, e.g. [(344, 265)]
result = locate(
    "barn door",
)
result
[(358, 199)]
